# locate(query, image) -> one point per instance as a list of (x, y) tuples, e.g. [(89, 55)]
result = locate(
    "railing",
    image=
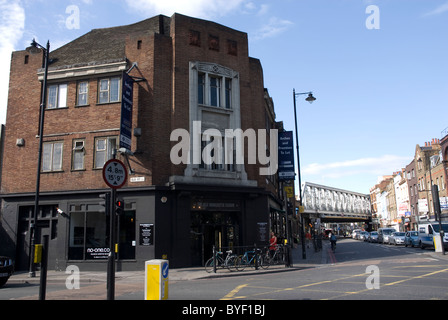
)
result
[(238, 258)]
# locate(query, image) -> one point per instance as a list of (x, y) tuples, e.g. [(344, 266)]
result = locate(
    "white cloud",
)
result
[(12, 24), (439, 10), (274, 27), (196, 8)]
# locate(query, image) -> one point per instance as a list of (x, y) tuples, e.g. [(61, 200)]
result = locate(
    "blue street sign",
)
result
[(285, 156), (126, 111)]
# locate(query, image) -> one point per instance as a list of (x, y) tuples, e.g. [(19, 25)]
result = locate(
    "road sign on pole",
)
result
[(115, 174)]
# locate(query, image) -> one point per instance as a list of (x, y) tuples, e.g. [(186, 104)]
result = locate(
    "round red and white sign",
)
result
[(115, 174)]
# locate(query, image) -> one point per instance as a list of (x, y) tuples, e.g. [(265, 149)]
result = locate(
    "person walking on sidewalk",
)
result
[(333, 240), (308, 239), (272, 244)]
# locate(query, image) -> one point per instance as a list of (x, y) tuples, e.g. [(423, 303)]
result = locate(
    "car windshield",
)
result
[(413, 233), (374, 233), (400, 234), (388, 231), (436, 227)]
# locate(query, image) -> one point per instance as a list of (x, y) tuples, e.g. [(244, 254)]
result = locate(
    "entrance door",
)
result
[(127, 239), (212, 229)]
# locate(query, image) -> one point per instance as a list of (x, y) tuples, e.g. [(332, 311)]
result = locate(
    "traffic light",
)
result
[(119, 207), (106, 202)]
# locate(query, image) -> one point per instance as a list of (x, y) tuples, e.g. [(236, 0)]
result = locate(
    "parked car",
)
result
[(6, 269), (363, 235), (373, 236), (396, 238), (411, 239), (355, 233), (384, 233)]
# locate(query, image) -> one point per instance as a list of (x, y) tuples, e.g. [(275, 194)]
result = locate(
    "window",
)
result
[(57, 96), (89, 232), (109, 90), (104, 148), (83, 93), (214, 91), (78, 155), (215, 88), (52, 156), (213, 154)]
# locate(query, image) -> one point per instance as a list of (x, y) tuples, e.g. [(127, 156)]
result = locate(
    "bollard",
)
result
[(156, 280)]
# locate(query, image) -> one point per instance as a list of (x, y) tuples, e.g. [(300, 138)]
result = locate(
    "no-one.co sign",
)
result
[(115, 174)]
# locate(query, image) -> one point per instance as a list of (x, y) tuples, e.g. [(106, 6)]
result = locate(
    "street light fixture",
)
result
[(33, 225), (310, 99)]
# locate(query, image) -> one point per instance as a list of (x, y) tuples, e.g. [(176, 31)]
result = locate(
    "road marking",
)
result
[(416, 277), (232, 293)]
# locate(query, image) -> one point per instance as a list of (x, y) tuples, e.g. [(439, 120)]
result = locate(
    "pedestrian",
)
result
[(333, 240), (308, 239), (272, 244)]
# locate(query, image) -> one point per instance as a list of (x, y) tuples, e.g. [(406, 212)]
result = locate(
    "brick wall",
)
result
[(161, 104)]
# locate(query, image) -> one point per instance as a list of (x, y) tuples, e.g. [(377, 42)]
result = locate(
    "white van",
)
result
[(427, 231)]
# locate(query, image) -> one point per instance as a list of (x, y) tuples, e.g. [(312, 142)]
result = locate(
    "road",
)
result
[(356, 271)]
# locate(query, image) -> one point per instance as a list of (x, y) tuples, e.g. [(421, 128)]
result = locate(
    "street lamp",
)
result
[(310, 99), (33, 225)]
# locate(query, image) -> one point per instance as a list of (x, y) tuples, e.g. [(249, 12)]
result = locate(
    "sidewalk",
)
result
[(313, 259)]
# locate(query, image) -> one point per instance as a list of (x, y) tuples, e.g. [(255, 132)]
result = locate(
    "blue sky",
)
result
[(380, 77)]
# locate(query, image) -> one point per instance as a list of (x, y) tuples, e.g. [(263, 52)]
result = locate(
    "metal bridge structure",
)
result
[(334, 205)]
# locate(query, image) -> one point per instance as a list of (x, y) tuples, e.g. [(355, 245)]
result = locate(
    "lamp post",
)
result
[(310, 99), (33, 224)]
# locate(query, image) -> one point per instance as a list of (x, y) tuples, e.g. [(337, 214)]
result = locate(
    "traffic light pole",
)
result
[(111, 258)]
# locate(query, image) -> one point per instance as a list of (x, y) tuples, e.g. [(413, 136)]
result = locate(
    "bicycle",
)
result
[(272, 257), (248, 259), (228, 262)]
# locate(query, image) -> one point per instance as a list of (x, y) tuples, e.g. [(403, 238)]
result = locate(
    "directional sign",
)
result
[(115, 174)]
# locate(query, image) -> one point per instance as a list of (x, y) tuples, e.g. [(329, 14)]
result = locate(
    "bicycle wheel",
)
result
[(210, 264), (231, 262), (262, 261), (241, 263)]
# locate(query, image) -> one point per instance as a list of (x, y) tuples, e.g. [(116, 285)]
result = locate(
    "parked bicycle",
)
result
[(273, 257), (229, 262), (248, 260)]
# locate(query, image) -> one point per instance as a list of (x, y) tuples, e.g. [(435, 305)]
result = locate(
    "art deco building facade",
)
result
[(191, 75)]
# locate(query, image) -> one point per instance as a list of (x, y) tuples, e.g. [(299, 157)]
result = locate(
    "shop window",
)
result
[(89, 233)]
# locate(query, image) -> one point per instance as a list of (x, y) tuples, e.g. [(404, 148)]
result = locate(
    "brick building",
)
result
[(189, 72)]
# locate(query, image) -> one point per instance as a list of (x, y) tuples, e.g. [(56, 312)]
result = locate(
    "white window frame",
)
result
[(104, 95), (104, 154), (57, 96), (78, 150), (82, 93), (51, 160)]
